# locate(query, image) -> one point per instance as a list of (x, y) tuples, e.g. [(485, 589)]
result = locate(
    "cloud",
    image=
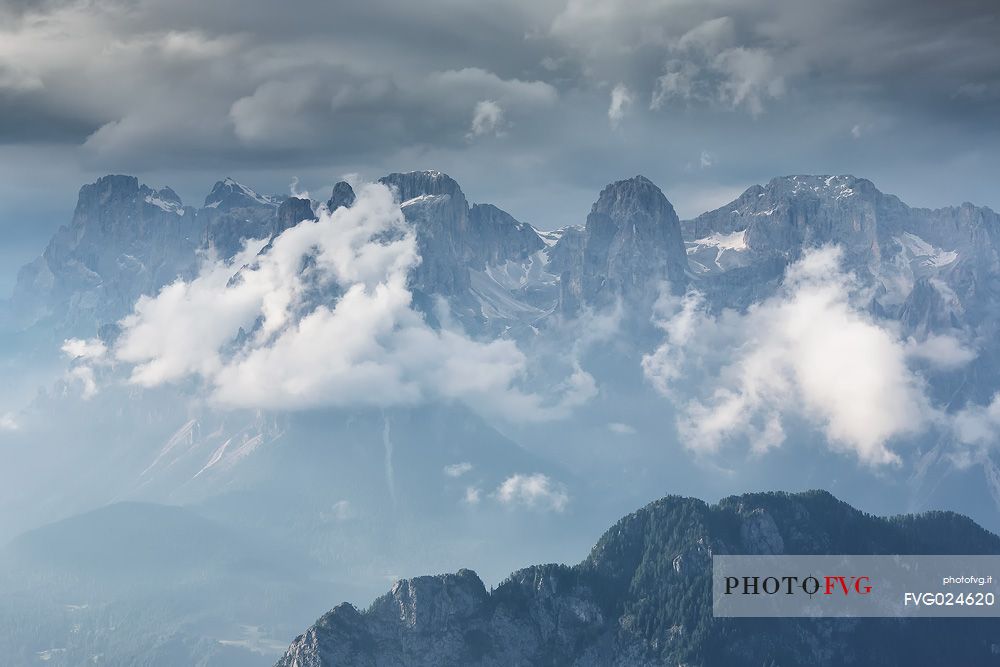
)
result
[(285, 113), (18, 79), (9, 423), (483, 83), (85, 356), (342, 510), (745, 55), (472, 495), (941, 352), (979, 425), (457, 469), (487, 118), (85, 377), (322, 317), (676, 83), (705, 161), (341, 108), (87, 350), (621, 100), (749, 77), (195, 46), (535, 491), (621, 429), (707, 66), (805, 352)]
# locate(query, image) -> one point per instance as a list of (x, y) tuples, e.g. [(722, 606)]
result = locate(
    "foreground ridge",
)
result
[(642, 597)]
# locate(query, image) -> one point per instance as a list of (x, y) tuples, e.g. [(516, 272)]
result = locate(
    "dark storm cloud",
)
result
[(515, 98), (239, 79)]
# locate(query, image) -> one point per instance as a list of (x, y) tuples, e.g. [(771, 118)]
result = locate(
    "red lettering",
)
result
[(831, 584)]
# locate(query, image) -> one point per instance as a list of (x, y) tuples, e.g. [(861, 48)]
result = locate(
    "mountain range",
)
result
[(354, 489), (929, 270)]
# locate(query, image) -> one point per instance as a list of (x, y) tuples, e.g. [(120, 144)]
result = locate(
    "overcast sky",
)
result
[(529, 104)]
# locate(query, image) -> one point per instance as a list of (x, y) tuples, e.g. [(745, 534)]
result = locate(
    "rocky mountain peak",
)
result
[(633, 243), (343, 195), (125, 240), (229, 194), (110, 190), (114, 183), (164, 199), (168, 194), (425, 602), (413, 184), (636, 200), (293, 211)]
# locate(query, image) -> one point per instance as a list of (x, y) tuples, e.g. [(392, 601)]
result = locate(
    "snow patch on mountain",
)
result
[(735, 241), (164, 205), (552, 237), (924, 253), (717, 252)]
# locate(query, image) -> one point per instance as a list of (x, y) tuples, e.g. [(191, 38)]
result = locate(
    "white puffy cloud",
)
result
[(457, 469), (89, 350), (9, 423), (472, 495), (807, 351), (487, 118), (342, 510), (323, 316), (536, 491), (621, 428), (85, 356), (84, 376), (941, 351), (979, 425), (621, 100)]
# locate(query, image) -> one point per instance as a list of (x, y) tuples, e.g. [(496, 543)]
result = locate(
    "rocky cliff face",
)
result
[(291, 212), (234, 213), (437, 208), (343, 195), (631, 245), (454, 237), (125, 240), (497, 237), (643, 597), (891, 247)]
